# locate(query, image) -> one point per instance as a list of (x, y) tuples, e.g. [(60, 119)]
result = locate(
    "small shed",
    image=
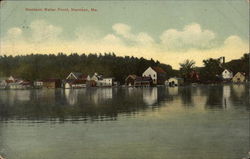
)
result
[(175, 81), (130, 80)]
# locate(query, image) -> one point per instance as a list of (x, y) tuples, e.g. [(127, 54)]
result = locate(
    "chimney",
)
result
[(223, 59)]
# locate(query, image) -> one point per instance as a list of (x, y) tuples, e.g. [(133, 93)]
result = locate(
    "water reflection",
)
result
[(101, 95), (214, 99), (239, 90), (150, 96), (186, 96), (108, 103), (72, 95), (226, 97), (173, 90)]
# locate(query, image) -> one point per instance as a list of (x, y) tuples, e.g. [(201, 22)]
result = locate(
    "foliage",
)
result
[(239, 65), (186, 68), (211, 71), (213, 68), (41, 66)]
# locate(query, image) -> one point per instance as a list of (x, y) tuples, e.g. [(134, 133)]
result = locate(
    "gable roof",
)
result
[(97, 76), (78, 75), (240, 73), (158, 69), (132, 76), (227, 70)]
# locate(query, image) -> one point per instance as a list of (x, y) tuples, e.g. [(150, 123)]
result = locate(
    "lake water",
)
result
[(202, 122)]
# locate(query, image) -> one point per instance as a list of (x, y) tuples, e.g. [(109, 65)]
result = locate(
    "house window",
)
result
[(154, 75)]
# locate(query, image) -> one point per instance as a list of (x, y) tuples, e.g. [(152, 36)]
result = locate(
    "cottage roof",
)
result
[(241, 73), (79, 75), (228, 70), (99, 77), (9, 81), (25, 83), (132, 76), (158, 69)]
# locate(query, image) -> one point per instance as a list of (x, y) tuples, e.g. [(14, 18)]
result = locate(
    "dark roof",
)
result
[(25, 83), (132, 76), (158, 69), (79, 75), (9, 81)]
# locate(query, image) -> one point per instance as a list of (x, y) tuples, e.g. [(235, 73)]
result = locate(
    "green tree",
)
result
[(186, 68), (211, 71)]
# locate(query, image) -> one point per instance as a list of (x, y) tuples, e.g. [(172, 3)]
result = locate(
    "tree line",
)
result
[(43, 66)]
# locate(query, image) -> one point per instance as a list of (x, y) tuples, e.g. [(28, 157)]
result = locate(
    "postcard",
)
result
[(122, 79)]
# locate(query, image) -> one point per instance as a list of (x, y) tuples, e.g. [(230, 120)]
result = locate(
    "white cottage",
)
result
[(96, 77), (227, 74), (38, 84), (157, 74), (174, 81), (106, 82), (102, 81)]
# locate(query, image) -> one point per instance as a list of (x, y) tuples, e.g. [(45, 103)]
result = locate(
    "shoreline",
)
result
[(123, 86)]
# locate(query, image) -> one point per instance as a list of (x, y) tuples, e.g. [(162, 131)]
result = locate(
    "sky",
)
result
[(165, 30)]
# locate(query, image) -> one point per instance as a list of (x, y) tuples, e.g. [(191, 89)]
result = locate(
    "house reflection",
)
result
[(45, 95), (186, 96), (71, 96), (214, 97), (13, 96), (150, 95), (239, 90), (226, 96), (110, 102), (199, 99), (101, 94), (173, 91)]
